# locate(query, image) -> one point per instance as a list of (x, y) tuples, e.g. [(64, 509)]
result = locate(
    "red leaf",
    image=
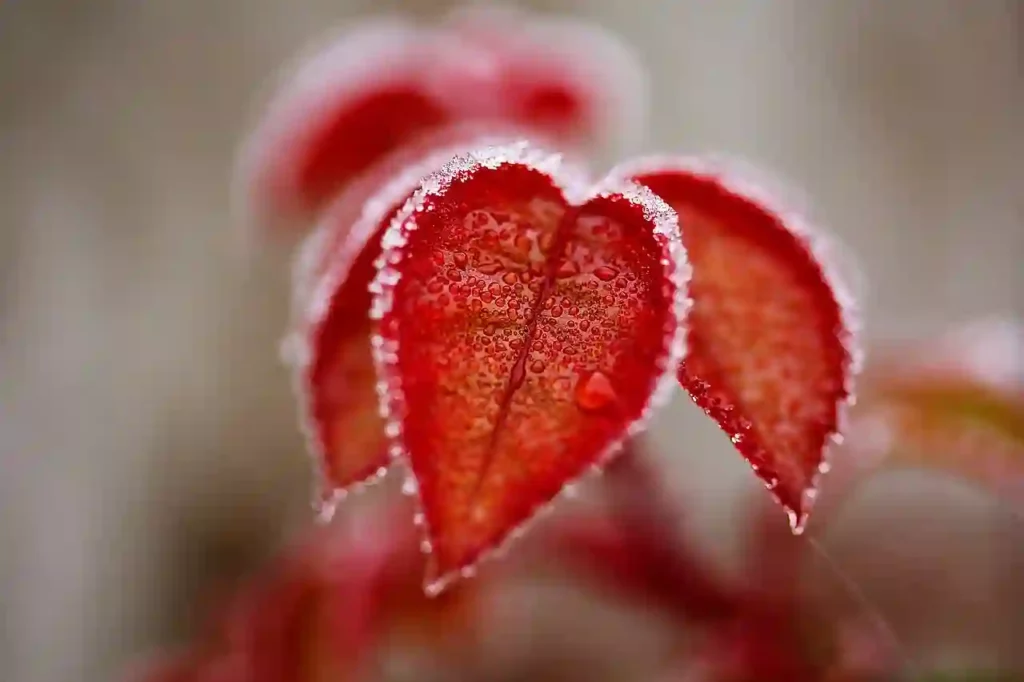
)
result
[(333, 117), (770, 355), (390, 181), (574, 81), (522, 336), (385, 85), (330, 348)]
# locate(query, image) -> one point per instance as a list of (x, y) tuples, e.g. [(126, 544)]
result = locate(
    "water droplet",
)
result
[(605, 273), (567, 268), (796, 523), (509, 278), (595, 392), (537, 366), (522, 244)]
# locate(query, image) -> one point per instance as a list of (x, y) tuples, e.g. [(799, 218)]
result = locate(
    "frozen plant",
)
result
[(472, 308)]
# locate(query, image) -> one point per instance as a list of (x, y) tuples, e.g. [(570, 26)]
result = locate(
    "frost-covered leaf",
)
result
[(573, 82), (342, 108), (770, 354), (525, 325), (382, 86), (329, 345)]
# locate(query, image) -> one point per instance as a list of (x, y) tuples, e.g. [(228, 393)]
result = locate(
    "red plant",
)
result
[(474, 310), (523, 325)]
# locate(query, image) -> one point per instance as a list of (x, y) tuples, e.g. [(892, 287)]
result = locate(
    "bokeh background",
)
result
[(148, 446)]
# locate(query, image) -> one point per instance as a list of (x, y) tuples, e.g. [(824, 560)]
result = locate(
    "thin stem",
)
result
[(879, 620)]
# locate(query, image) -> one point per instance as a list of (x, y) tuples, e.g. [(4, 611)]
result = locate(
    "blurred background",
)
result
[(148, 442)]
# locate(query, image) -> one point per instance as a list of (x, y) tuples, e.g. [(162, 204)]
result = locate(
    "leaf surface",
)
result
[(523, 334), (770, 349)]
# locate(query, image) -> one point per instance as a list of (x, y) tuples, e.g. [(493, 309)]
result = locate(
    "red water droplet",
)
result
[(605, 273), (509, 278), (595, 392), (522, 244), (461, 259), (567, 269), (492, 268)]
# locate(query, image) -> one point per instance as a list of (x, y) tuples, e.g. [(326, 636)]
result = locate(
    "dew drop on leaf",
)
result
[(595, 392)]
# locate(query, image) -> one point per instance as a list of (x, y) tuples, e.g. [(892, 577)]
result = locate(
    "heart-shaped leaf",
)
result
[(770, 335), (524, 330), (329, 346)]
